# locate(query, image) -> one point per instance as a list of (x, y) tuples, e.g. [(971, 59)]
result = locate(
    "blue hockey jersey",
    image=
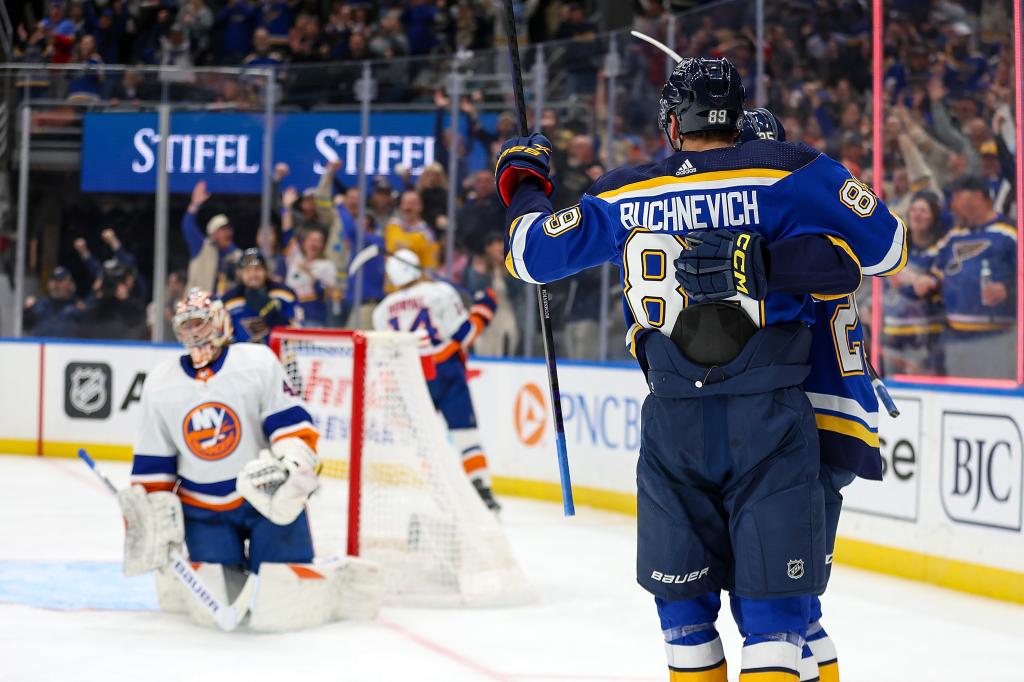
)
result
[(255, 325), (964, 256), (840, 390), (636, 217)]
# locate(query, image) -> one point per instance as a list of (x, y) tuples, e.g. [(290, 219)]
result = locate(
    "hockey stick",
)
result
[(227, 617), (543, 300), (372, 251), (658, 44)]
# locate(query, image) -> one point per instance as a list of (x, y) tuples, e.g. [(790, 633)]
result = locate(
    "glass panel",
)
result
[(949, 160)]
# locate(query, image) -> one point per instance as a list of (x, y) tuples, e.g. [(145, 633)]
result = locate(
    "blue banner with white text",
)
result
[(119, 150)]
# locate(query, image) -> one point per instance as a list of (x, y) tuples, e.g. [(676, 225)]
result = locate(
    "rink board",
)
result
[(949, 510)]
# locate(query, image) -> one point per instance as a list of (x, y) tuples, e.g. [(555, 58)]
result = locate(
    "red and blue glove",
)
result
[(523, 158)]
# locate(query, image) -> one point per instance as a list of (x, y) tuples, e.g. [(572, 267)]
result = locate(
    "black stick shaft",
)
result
[(543, 301)]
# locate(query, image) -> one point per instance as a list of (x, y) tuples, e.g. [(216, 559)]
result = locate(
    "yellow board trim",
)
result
[(624, 503), (665, 181), (958, 575), (55, 448)]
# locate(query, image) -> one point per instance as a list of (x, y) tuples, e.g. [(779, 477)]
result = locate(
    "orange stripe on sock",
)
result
[(718, 673), (828, 672), (474, 463)]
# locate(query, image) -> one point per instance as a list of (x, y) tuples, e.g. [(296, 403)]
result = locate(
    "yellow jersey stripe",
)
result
[(667, 180), (846, 427)]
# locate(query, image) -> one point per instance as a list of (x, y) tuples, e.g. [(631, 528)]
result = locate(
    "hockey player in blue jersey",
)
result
[(720, 248), (258, 304), (845, 412)]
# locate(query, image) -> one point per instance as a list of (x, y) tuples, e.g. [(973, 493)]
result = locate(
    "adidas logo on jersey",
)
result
[(685, 169)]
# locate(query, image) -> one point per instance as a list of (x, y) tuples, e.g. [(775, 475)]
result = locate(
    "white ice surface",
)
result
[(592, 623)]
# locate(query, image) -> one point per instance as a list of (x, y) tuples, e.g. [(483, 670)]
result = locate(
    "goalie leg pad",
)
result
[(153, 525), (298, 596)]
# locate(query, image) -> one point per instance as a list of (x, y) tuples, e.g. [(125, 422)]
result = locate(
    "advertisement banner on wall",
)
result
[(897, 494), (981, 469), (119, 150)]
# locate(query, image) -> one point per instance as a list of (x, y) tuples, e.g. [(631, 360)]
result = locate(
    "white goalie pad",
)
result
[(153, 526), (278, 483), (298, 596)]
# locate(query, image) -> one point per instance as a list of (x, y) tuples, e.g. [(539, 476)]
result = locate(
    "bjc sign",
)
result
[(120, 150)]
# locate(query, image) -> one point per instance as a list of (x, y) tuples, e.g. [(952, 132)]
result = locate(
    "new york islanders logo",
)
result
[(212, 431)]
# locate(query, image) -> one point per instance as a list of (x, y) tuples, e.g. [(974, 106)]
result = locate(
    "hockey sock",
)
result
[(774, 631), (824, 651), (474, 461), (808, 666), (692, 645)]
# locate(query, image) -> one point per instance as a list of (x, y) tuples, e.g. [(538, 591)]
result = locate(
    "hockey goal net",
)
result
[(410, 507)]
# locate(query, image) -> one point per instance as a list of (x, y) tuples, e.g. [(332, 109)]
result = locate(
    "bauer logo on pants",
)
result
[(87, 390)]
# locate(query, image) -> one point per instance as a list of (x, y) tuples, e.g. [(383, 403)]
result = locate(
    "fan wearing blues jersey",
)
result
[(435, 310), (720, 249), (225, 460)]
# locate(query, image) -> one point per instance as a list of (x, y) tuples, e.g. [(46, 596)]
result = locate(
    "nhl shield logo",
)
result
[(795, 569), (87, 390)]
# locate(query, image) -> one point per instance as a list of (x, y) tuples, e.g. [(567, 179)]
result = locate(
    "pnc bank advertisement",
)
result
[(119, 150)]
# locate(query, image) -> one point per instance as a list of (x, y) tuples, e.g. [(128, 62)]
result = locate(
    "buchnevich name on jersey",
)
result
[(692, 212)]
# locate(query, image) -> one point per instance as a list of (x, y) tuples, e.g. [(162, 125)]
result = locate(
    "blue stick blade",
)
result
[(85, 456), (568, 508)]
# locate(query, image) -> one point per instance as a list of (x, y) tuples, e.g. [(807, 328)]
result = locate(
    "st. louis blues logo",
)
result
[(212, 431)]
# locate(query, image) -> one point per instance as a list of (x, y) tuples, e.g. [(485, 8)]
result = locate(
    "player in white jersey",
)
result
[(225, 459), (434, 309)]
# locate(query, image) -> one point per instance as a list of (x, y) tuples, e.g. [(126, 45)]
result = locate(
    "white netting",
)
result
[(420, 517)]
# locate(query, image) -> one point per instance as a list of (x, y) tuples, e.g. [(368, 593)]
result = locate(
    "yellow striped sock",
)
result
[(828, 672), (715, 673)]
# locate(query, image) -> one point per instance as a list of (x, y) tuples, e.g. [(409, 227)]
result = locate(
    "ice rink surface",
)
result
[(67, 614)]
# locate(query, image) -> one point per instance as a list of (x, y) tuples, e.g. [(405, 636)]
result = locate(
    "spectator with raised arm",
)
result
[(313, 278), (59, 313), (213, 257)]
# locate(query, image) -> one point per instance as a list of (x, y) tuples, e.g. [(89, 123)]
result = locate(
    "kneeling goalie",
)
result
[(225, 460)]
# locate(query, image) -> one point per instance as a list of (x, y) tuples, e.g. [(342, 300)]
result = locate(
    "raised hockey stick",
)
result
[(658, 44), (372, 251), (543, 300), (227, 617)]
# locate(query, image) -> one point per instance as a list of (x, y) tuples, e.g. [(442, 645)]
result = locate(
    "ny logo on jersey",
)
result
[(212, 431)]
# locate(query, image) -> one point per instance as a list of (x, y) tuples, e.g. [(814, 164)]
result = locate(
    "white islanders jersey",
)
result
[(200, 427), (435, 311)]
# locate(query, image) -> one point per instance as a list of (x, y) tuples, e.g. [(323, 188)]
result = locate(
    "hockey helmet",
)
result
[(703, 94), (202, 325), (761, 124), (403, 267)]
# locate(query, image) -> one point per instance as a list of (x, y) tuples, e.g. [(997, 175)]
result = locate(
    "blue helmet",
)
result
[(703, 94), (761, 124)]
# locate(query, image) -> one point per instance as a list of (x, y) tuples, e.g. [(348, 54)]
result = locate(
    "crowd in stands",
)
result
[(948, 152)]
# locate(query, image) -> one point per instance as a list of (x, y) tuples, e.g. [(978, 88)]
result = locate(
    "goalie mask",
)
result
[(202, 325)]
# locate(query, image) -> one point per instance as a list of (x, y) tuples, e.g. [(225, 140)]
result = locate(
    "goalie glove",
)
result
[(154, 526), (279, 481)]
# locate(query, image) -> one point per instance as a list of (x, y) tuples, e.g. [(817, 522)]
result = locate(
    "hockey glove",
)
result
[(484, 304), (523, 158), (278, 483), (718, 264)]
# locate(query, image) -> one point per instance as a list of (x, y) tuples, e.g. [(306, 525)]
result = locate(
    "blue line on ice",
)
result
[(75, 585)]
